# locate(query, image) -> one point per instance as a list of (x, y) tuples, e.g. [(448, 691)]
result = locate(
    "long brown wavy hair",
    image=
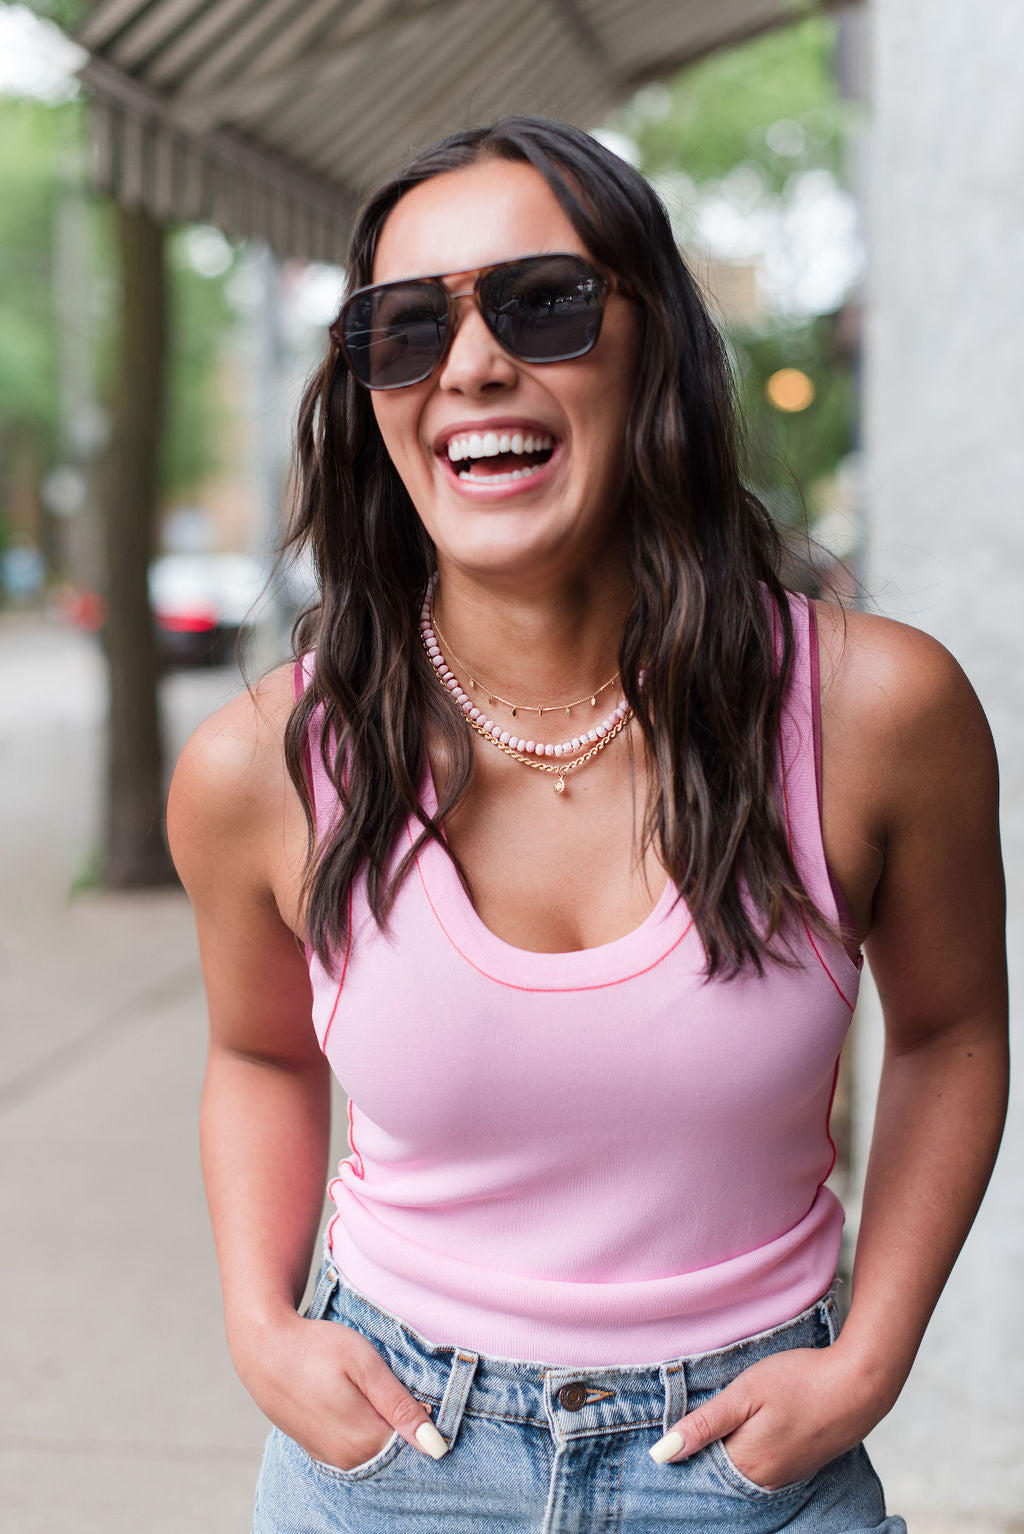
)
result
[(704, 558)]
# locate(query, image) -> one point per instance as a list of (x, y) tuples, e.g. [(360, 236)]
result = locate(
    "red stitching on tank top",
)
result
[(358, 1169), (341, 982), (828, 1123), (825, 967)]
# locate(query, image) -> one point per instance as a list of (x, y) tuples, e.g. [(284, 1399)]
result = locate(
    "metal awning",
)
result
[(271, 117)]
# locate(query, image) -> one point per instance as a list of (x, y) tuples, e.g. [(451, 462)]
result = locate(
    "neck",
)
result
[(537, 647)]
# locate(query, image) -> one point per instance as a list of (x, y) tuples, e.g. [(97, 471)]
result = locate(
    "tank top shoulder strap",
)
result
[(799, 755), (299, 680), (800, 758), (324, 794)]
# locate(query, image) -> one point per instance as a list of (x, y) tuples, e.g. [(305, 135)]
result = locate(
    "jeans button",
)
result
[(573, 1396)]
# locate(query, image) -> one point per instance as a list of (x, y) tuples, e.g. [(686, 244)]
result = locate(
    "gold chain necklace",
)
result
[(527, 708), (504, 740)]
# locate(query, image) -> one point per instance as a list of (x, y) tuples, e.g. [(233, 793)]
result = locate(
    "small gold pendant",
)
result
[(567, 713), (593, 701), (560, 784)]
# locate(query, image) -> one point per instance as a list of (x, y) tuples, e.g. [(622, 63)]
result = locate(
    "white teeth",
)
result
[(489, 444)]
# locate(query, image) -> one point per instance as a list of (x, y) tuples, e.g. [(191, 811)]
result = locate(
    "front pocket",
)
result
[(737, 1481), (384, 1457), (326, 1288)]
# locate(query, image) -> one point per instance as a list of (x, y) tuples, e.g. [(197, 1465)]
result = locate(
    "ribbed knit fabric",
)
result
[(595, 1157)]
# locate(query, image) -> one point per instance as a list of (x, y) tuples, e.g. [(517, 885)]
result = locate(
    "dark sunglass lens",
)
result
[(395, 334), (546, 308)]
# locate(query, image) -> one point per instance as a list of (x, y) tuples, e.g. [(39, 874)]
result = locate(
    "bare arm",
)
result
[(914, 771), (937, 953), (237, 835)]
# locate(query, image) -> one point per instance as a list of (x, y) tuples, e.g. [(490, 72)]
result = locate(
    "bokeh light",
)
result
[(789, 389)]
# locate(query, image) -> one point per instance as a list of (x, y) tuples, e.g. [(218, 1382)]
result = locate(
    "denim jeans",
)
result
[(528, 1456)]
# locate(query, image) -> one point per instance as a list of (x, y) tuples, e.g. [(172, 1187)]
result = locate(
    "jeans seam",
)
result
[(734, 1478), (380, 1461), (616, 1519), (612, 1430), (497, 1416)]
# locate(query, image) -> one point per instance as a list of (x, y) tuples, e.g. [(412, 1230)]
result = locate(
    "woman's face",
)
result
[(551, 521)]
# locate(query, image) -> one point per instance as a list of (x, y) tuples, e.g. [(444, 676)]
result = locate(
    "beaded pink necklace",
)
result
[(590, 742)]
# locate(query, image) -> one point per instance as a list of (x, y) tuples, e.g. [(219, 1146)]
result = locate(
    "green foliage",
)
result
[(197, 417), (772, 106), (42, 151), (791, 453), (719, 113), (68, 14), (37, 149)]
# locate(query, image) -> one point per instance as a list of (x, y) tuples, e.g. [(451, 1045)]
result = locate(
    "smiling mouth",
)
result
[(498, 457)]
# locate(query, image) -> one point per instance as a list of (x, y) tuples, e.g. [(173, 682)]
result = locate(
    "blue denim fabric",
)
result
[(521, 1462)]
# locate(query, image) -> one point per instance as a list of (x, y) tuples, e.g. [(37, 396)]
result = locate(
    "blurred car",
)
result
[(202, 604)]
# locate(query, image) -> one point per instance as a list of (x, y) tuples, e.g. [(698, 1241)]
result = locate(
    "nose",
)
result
[(475, 362)]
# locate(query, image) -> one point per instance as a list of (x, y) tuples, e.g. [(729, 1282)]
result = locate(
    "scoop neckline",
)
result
[(666, 924)]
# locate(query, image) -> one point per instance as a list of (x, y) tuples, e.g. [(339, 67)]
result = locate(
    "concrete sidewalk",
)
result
[(119, 1409)]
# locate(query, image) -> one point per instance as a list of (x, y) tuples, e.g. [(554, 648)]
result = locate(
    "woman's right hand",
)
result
[(238, 835), (329, 1389)]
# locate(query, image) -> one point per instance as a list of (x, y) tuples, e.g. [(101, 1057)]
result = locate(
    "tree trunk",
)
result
[(135, 851)]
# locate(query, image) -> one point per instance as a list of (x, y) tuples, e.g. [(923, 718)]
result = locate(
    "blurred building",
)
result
[(943, 175)]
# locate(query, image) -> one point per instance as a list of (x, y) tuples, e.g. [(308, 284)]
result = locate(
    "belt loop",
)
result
[(456, 1394), (673, 1377), (327, 1283), (828, 1312)]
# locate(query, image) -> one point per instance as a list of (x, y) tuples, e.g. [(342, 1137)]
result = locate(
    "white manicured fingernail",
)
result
[(430, 1439), (666, 1447)]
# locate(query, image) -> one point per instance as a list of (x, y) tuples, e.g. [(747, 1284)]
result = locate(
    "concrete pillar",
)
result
[(945, 446)]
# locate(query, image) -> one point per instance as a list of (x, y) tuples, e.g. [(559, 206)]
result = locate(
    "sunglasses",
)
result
[(540, 309)]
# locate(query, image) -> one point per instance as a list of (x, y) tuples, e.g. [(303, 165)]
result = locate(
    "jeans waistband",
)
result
[(535, 1391)]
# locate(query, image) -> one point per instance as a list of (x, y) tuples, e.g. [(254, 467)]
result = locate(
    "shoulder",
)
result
[(870, 661), (895, 700), (231, 785)]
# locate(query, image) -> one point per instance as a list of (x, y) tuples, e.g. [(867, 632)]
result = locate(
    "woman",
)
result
[(580, 821)]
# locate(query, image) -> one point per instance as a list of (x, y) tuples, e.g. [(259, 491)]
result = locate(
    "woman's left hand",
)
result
[(781, 1419)]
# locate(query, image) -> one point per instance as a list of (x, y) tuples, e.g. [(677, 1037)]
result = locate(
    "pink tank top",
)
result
[(587, 1158)]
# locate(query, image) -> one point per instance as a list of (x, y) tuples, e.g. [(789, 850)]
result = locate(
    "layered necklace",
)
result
[(566, 756)]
